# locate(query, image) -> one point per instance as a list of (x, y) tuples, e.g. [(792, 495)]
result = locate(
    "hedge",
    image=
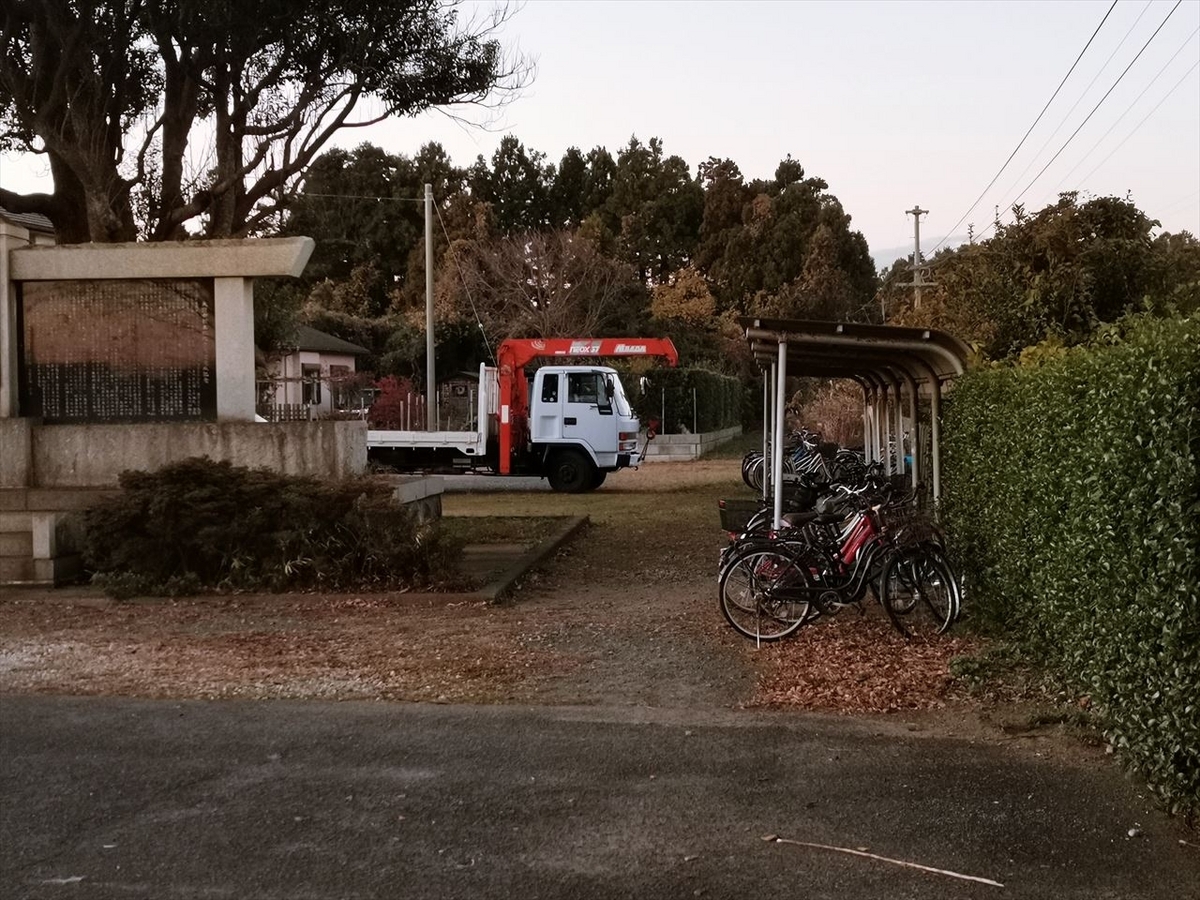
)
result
[(201, 525), (1073, 499), (718, 399)]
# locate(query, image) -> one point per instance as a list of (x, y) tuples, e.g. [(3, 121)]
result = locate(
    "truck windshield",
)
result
[(620, 404)]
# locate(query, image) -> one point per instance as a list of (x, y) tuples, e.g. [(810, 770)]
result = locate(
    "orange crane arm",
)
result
[(519, 351)]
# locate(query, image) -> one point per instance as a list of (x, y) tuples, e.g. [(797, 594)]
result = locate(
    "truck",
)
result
[(571, 424)]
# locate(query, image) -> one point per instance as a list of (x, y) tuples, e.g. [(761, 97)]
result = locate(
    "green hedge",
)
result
[(718, 399), (1073, 497), (198, 524)]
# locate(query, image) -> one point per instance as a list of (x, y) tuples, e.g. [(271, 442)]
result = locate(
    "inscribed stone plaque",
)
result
[(118, 350)]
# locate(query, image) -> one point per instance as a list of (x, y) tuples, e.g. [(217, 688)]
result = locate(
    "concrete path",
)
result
[(108, 798)]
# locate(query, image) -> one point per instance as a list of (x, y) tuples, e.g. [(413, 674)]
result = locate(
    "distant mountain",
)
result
[(888, 255)]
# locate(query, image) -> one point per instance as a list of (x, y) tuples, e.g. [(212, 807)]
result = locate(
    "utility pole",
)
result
[(430, 375), (918, 281)]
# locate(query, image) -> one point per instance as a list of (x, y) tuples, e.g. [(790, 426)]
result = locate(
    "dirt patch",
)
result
[(626, 614)]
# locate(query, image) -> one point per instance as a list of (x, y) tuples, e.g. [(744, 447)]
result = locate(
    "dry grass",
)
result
[(626, 614)]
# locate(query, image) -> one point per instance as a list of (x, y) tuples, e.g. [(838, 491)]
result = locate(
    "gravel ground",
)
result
[(624, 615)]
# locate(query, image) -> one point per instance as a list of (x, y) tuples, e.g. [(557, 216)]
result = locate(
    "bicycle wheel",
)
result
[(764, 593), (938, 550), (918, 593)]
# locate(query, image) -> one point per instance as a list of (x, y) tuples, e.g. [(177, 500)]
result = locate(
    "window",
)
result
[(583, 387), (311, 378), (550, 388), (339, 387)]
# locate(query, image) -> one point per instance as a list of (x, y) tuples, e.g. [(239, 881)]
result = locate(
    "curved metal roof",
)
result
[(852, 350)]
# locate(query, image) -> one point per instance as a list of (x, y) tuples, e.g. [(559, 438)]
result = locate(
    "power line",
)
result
[(1066, 143), (1030, 130), (1063, 121), (1128, 109), (1183, 203), (303, 194), (1195, 65), (1098, 105), (1192, 199)]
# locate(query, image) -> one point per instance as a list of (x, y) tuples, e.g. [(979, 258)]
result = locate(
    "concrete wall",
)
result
[(92, 456), (667, 447)]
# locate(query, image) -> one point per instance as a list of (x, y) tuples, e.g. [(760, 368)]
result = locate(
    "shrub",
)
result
[(204, 524), (835, 411), (1073, 498), (397, 404)]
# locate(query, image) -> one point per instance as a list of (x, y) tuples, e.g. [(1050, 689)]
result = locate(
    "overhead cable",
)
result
[(1067, 116), (1195, 65), (1097, 106), (1029, 131), (1128, 110)]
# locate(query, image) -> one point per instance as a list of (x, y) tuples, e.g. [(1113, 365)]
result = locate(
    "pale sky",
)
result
[(893, 103)]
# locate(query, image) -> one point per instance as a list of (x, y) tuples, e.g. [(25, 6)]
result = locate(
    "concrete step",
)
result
[(17, 570), (52, 499)]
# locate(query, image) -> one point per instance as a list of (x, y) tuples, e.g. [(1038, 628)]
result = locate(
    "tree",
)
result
[(120, 94), (685, 309), (1057, 273), (684, 299), (517, 185), (822, 291), (725, 196), (540, 284), (363, 207), (568, 189), (790, 252), (656, 208)]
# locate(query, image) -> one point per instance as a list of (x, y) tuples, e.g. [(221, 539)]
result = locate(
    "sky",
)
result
[(894, 104)]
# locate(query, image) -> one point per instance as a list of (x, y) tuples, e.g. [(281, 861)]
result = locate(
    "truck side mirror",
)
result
[(609, 390)]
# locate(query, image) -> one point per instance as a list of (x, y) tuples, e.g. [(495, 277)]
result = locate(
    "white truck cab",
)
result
[(584, 406)]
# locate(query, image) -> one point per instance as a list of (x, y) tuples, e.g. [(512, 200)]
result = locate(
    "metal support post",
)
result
[(935, 433), (885, 430), (777, 459), (768, 394), (898, 403), (430, 371)]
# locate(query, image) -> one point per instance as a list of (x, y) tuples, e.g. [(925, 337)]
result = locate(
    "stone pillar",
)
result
[(16, 452), (233, 301), (11, 237)]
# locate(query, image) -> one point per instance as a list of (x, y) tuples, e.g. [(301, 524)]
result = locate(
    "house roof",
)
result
[(32, 221), (319, 342)]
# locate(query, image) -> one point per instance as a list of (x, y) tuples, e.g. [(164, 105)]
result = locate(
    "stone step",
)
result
[(52, 499), (17, 570), (16, 543)]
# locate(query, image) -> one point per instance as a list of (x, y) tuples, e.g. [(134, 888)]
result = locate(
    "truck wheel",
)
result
[(598, 478), (571, 472)]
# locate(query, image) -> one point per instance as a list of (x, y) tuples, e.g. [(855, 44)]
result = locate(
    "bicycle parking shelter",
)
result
[(890, 363)]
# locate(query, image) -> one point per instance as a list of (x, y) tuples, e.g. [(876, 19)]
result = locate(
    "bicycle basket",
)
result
[(736, 513), (908, 524)]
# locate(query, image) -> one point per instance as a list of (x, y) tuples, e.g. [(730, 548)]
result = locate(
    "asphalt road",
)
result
[(106, 798)]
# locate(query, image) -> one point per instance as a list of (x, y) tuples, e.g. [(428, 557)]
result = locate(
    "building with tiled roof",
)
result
[(34, 222)]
